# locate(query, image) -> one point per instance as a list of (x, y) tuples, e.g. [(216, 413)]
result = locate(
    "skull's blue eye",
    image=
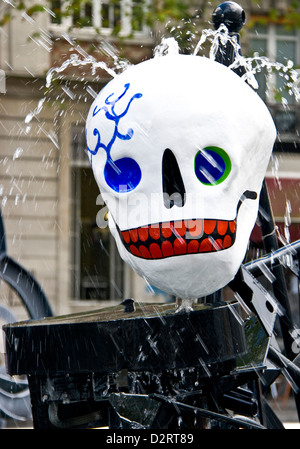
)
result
[(122, 175), (212, 165)]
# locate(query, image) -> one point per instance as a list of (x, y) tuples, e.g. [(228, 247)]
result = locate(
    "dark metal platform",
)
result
[(109, 340), (149, 368)]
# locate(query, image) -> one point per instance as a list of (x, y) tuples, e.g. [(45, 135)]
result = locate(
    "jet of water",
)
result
[(168, 47), (252, 65)]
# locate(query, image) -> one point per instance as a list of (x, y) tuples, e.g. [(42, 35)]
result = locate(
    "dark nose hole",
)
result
[(173, 187)]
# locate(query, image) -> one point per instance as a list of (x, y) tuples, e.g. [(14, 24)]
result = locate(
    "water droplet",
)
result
[(18, 153)]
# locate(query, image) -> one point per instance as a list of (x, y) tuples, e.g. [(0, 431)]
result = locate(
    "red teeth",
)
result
[(217, 244), (143, 233), (135, 251), (205, 246), (179, 246), (166, 230), (209, 226), (144, 252), (134, 235), (154, 231), (193, 246), (155, 251), (167, 249), (169, 239), (126, 237), (222, 227), (227, 242), (232, 225)]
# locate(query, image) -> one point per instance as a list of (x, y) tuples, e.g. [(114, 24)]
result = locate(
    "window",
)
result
[(83, 14), (55, 12), (124, 16), (137, 16), (97, 271), (110, 14), (280, 44)]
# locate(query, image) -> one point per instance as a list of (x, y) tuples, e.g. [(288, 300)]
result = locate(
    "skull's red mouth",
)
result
[(175, 238)]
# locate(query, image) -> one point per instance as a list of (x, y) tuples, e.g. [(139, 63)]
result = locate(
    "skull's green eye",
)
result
[(212, 165)]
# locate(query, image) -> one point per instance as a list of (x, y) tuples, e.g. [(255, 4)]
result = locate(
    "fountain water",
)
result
[(128, 367)]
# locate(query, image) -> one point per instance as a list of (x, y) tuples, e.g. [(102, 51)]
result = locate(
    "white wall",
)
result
[(24, 43)]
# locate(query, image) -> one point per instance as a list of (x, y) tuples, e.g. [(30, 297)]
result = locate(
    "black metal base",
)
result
[(149, 367), (152, 338)]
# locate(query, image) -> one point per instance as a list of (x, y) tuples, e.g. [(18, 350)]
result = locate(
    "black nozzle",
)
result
[(231, 15), (128, 304)]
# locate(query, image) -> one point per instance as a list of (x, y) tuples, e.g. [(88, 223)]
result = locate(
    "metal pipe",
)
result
[(273, 259)]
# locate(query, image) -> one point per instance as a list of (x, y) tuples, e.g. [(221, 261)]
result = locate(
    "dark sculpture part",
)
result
[(230, 14)]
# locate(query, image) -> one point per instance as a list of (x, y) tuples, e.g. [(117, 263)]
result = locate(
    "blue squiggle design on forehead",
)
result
[(122, 175)]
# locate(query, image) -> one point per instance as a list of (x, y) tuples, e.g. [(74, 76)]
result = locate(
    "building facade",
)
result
[(49, 199)]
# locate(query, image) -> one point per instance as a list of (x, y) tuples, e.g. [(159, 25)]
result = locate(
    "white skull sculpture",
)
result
[(179, 147)]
